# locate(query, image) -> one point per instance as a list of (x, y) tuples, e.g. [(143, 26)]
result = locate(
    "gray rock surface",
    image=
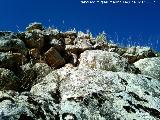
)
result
[(136, 53), (110, 61), (8, 80), (87, 94), (32, 73), (149, 66), (24, 106), (9, 42), (11, 61), (101, 95), (46, 74)]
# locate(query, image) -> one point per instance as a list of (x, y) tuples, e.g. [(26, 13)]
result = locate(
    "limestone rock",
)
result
[(41, 70), (9, 42), (70, 34), (11, 60), (46, 74), (149, 66), (105, 95), (24, 106), (134, 54), (69, 41), (110, 61), (8, 80), (112, 47), (53, 58), (80, 46), (51, 32), (31, 74), (69, 37), (48, 87)]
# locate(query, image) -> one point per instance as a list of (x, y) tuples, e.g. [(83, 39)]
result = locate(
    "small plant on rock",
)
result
[(158, 54)]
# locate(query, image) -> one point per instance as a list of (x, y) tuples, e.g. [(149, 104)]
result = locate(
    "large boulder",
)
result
[(84, 94), (136, 53), (110, 61), (103, 95), (8, 80), (149, 66), (53, 58), (48, 87), (9, 42)]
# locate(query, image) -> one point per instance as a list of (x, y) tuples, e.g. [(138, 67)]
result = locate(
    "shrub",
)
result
[(101, 38), (158, 54)]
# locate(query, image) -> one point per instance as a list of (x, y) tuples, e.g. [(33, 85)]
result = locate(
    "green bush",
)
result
[(101, 38), (158, 54)]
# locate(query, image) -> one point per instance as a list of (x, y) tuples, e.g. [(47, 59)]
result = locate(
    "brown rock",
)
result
[(34, 53), (34, 39), (136, 53), (53, 58)]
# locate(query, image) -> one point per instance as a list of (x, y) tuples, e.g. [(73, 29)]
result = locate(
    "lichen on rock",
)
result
[(47, 74)]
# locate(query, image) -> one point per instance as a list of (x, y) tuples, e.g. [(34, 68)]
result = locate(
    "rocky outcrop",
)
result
[(8, 80), (110, 61), (98, 94), (46, 74), (149, 66), (24, 106), (11, 60), (31, 74), (9, 42), (34, 39), (134, 53)]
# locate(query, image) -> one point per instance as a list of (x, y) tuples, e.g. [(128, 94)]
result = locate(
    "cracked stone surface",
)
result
[(46, 74)]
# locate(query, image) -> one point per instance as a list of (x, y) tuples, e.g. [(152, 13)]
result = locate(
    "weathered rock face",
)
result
[(32, 73), (9, 42), (95, 94), (46, 74), (34, 39), (149, 66), (110, 61), (134, 54), (8, 80), (11, 61), (24, 106)]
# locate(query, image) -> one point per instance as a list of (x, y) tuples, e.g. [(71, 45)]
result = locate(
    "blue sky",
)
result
[(126, 24)]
